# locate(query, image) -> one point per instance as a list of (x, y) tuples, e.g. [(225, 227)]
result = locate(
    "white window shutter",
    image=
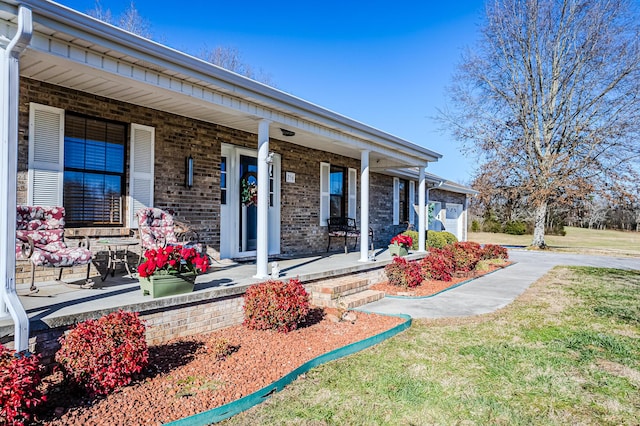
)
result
[(353, 193), (325, 169), (46, 155), (396, 201), (412, 199), (141, 170)]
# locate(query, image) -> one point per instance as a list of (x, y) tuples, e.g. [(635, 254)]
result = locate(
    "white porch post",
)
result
[(364, 206), (422, 220), (9, 91), (262, 249)]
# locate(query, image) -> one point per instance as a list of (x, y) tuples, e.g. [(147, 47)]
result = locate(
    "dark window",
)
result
[(223, 180), (337, 187), (403, 198), (94, 153)]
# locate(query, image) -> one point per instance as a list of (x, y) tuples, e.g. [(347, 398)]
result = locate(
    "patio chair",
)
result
[(157, 228), (40, 239)]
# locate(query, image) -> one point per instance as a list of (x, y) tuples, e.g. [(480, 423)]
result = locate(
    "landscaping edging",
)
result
[(392, 296), (226, 411)]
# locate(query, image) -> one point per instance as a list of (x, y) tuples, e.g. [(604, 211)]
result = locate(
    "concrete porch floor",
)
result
[(58, 304)]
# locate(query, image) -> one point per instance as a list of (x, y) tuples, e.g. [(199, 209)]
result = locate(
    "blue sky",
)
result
[(382, 63)]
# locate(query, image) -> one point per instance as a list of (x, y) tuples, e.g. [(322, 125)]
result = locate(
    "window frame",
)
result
[(123, 175), (345, 190)]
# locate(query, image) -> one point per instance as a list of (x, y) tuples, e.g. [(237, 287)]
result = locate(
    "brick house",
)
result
[(109, 122), (104, 122)]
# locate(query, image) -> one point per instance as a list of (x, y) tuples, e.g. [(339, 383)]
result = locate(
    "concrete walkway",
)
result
[(494, 291)]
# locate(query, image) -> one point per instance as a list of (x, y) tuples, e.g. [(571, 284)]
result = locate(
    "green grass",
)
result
[(577, 239), (566, 352)]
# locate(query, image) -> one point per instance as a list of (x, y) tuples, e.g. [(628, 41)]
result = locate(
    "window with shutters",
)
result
[(94, 171), (337, 185), (403, 200)]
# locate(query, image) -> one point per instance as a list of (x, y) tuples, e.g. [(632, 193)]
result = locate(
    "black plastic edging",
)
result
[(391, 296), (231, 409)]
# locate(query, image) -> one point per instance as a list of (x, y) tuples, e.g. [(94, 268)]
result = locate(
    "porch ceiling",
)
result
[(81, 53)]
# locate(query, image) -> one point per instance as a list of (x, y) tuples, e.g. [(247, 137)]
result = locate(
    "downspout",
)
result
[(9, 92)]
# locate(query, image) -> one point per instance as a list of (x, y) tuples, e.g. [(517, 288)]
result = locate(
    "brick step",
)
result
[(359, 299), (339, 287)]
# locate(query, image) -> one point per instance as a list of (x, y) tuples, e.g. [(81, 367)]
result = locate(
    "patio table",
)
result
[(118, 254)]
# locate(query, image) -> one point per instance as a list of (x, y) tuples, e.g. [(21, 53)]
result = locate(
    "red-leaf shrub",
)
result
[(465, 255), (19, 381), (438, 265), (403, 273), (275, 305), (102, 355), (493, 251)]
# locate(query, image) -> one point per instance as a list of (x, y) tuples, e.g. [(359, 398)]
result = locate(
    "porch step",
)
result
[(345, 292), (361, 298)]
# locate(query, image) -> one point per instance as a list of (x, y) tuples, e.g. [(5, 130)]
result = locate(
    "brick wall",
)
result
[(163, 324), (178, 137)]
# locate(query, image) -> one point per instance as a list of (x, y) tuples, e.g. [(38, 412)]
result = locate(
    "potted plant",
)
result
[(170, 270), (400, 245)]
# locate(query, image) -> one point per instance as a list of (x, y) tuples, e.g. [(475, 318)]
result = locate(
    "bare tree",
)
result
[(550, 98), (226, 57), (230, 58), (130, 20)]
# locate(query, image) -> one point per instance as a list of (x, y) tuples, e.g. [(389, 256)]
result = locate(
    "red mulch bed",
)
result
[(431, 287), (185, 377)]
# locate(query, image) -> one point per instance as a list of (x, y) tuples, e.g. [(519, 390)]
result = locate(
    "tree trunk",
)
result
[(538, 229)]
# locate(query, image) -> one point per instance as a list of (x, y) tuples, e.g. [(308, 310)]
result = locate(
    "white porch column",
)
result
[(422, 219), (262, 249), (9, 92), (364, 206)]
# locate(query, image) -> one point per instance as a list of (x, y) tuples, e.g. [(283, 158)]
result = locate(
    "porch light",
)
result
[(188, 172)]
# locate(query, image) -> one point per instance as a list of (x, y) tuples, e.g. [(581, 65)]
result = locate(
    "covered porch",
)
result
[(216, 301)]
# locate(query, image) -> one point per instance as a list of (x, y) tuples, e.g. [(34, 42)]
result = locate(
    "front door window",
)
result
[(248, 203)]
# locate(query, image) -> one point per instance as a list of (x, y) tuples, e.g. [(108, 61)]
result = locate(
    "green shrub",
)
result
[(449, 237), (436, 239), (475, 226), (515, 228), (275, 305), (102, 355), (19, 386), (492, 226), (414, 237)]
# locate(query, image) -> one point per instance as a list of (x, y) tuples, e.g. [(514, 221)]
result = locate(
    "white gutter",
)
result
[(9, 91)]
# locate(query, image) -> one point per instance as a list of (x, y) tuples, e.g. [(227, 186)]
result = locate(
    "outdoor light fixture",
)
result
[(286, 132), (188, 172)]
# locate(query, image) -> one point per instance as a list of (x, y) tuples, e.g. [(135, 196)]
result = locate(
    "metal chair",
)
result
[(40, 239), (157, 228)]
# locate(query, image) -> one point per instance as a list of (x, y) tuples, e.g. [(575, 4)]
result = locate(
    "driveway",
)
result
[(494, 291)]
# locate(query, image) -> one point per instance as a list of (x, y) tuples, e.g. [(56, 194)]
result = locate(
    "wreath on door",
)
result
[(249, 189)]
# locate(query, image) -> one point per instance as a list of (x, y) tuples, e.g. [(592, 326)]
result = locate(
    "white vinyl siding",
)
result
[(353, 193), (396, 201), (325, 169), (141, 170), (46, 155)]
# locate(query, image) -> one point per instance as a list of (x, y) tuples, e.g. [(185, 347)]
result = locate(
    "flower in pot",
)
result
[(170, 270), (400, 245)]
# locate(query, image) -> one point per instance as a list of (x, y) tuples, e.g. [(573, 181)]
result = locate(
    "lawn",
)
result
[(591, 241), (565, 352)]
